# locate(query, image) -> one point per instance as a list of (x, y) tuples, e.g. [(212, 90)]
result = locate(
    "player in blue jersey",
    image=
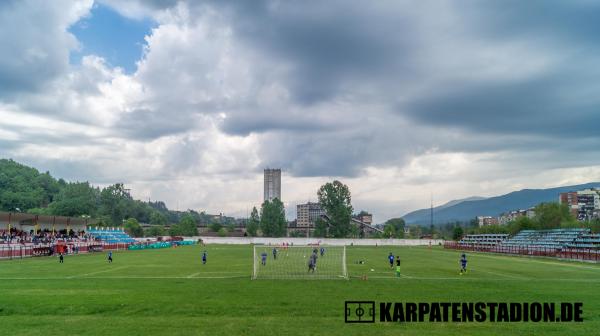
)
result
[(391, 259), (322, 251), (204, 257), (463, 264), (109, 257), (263, 258), (312, 261)]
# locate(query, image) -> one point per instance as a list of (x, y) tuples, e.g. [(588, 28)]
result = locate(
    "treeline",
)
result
[(25, 189)]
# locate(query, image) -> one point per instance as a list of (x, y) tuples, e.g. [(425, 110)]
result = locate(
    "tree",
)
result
[(521, 223), (157, 218), (175, 230), (334, 198), (24, 188), (457, 233), (188, 226), (320, 228), (552, 215), (155, 231), (490, 229), (114, 201), (253, 223), (394, 228), (133, 228), (215, 226), (272, 218), (75, 199)]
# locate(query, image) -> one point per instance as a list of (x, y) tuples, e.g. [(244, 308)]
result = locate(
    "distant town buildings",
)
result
[(272, 184), (510, 216), (584, 204), (307, 214), (487, 220), (364, 217)]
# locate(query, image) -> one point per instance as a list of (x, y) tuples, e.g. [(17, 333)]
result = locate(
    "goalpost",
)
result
[(292, 262)]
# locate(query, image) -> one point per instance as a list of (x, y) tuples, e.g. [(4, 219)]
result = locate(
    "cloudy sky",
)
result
[(187, 102)]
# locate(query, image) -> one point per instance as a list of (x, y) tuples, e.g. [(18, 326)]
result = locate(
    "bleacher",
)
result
[(483, 240), (111, 236), (586, 241), (554, 239)]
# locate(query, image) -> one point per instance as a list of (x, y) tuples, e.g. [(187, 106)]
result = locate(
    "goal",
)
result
[(292, 262)]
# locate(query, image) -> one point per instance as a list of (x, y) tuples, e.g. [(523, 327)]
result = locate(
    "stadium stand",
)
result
[(554, 239), (156, 245), (577, 243), (112, 236), (483, 240), (586, 241)]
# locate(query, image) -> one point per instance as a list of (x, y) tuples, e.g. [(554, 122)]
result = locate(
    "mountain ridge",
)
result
[(468, 208)]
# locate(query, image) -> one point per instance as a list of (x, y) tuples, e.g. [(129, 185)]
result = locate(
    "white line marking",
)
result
[(193, 275), (132, 277), (504, 275), (485, 279), (103, 271), (354, 276), (525, 258)]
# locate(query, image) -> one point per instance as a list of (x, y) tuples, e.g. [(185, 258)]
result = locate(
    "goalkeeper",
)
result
[(263, 257), (312, 262), (397, 266)]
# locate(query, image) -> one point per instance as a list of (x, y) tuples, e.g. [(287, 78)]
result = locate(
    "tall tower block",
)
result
[(272, 184)]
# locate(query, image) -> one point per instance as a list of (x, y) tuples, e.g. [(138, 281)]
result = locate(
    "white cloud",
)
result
[(322, 91)]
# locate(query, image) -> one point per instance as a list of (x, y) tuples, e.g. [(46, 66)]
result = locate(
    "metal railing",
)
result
[(29, 250), (563, 253)]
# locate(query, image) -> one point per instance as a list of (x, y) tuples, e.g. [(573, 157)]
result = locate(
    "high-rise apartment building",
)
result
[(307, 214), (272, 184)]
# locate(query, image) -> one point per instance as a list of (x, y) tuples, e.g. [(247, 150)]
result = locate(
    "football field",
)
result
[(170, 292)]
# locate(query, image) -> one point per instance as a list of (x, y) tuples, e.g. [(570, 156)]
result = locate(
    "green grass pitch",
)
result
[(170, 292)]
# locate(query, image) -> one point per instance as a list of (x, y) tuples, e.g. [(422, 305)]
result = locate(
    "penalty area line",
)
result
[(128, 277), (484, 279), (98, 272)]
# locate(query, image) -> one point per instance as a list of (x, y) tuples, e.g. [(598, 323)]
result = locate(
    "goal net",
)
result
[(294, 262)]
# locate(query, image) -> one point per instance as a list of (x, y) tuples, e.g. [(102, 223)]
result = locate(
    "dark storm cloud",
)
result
[(575, 21), (417, 76), (244, 124), (549, 105), (342, 153), (336, 45), (326, 43), (146, 124), (32, 54)]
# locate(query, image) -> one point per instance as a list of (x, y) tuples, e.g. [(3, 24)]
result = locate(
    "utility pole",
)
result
[(431, 210)]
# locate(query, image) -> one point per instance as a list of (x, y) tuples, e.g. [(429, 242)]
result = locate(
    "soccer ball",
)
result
[(372, 270)]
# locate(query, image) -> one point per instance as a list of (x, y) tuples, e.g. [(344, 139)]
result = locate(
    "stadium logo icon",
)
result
[(360, 312)]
